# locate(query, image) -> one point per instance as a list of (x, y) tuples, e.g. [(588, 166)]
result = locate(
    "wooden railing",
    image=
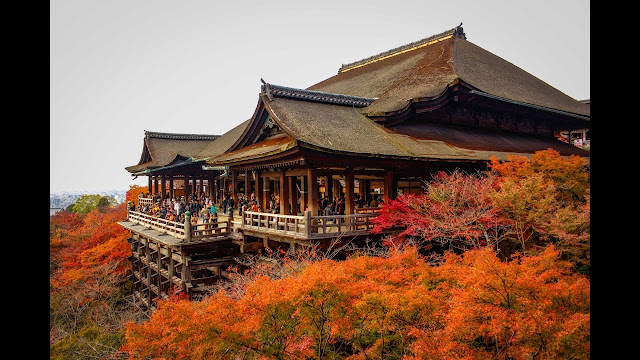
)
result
[(368, 210), (208, 230), (185, 231), (307, 226), (292, 225), (304, 227), (142, 201)]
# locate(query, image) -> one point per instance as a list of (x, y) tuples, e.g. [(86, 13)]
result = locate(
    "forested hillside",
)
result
[(493, 265)]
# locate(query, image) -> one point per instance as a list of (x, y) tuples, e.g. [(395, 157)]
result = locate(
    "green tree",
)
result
[(86, 203)]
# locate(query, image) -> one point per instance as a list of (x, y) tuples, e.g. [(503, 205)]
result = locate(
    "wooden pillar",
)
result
[(187, 187), (265, 193), (349, 205), (328, 187), (335, 184), (148, 254), (234, 187), (284, 194), (150, 186), (303, 193), (390, 189), (171, 271), (247, 184), (171, 186), (293, 192), (193, 185), (259, 187), (155, 184), (312, 186), (212, 187), (163, 190), (361, 187)]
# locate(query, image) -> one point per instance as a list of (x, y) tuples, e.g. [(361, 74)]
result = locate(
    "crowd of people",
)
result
[(202, 208)]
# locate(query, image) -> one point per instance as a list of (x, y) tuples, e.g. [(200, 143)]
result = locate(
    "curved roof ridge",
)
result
[(456, 31), (272, 90), (176, 136)]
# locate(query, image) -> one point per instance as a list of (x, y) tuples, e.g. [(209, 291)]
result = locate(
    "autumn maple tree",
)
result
[(88, 281), (473, 306)]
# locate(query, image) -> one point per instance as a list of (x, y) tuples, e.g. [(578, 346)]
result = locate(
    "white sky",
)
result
[(118, 67)]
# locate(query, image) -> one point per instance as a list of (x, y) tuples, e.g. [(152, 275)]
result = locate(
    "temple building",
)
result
[(379, 127)]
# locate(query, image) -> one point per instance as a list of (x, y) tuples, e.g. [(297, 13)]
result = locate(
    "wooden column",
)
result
[(361, 187), (265, 193), (259, 187), (293, 192), (163, 194), (335, 185), (171, 186), (247, 184), (155, 184), (312, 186), (187, 187), (148, 254), (390, 189), (234, 187), (349, 205), (303, 193), (150, 186), (212, 187), (284, 194), (194, 190)]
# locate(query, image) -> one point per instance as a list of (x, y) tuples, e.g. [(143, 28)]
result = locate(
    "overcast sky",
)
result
[(118, 67)]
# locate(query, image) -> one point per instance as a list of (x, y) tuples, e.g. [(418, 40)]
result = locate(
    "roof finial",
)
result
[(459, 32), (266, 89)]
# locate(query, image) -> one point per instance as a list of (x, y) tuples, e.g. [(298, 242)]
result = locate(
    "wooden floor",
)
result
[(166, 239)]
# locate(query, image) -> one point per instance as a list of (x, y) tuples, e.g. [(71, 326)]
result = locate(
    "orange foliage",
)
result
[(473, 306), (567, 173), (95, 240), (133, 193)]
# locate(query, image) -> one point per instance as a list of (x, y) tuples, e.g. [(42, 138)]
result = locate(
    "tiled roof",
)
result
[(272, 90)]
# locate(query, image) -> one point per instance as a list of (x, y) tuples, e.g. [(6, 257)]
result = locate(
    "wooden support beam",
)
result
[(265, 193), (171, 194), (259, 187), (303, 193), (150, 185), (234, 187), (390, 188), (247, 184), (163, 190), (148, 253), (349, 193), (312, 185), (284, 194), (293, 193)]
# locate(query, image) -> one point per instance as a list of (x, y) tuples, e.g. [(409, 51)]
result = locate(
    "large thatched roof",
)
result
[(425, 69)]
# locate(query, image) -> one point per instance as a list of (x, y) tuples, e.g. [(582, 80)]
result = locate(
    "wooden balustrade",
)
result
[(142, 201), (305, 226), (167, 226), (184, 231), (308, 226), (368, 210), (274, 223)]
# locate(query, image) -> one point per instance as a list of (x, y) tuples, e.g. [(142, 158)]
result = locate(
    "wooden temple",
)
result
[(377, 128)]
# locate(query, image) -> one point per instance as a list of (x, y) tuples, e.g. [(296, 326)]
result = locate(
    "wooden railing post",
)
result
[(187, 226), (307, 223)]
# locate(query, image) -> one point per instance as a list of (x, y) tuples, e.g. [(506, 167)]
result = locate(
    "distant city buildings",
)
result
[(63, 199)]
